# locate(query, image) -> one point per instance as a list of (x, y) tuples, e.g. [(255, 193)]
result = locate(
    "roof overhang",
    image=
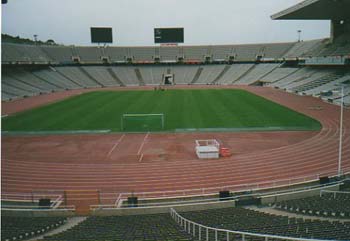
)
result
[(316, 10)]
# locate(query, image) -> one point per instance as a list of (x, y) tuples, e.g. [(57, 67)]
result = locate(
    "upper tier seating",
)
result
[(23, 53), (89, 54), (66, 54)]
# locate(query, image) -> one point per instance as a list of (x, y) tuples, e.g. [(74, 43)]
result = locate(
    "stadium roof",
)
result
[(316, 10)]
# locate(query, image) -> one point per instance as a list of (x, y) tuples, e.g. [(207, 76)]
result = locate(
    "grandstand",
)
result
[(150, 186), (271, 69)]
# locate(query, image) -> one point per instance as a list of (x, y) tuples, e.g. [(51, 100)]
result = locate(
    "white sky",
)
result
[(205, 21)]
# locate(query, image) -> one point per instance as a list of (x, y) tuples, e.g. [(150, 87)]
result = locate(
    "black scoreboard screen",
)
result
[(168, 35), (101, 35)]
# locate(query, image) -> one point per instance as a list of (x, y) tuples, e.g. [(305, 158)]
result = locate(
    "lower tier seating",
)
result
[(117, 228), (240, 219), (18, 228), (328, 204)]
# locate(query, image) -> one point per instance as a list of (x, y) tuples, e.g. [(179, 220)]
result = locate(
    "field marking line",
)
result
[(115, 145), (143, 143), (140, 159)]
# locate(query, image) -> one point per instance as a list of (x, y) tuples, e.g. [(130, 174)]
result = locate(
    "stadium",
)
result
[(178, 142)]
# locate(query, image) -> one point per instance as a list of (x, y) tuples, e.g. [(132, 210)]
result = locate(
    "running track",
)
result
[(120, 163)]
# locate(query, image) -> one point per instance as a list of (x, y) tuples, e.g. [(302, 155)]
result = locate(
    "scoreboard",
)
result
[(101, 35), (168, 35)]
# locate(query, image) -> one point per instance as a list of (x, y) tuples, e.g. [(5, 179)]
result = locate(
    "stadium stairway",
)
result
[(69, 224), (197, 75), (139, 77), (115, 77), (67, 77), (90, 76), (222, 73), (244, 74)]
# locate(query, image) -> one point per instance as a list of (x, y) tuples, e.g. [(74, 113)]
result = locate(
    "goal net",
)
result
[(142, 122)]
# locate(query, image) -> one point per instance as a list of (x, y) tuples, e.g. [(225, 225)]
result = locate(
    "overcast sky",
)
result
[(205, 21)]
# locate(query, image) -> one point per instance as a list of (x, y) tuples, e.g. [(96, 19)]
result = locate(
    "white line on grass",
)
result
[(115, 145), (143, 143)]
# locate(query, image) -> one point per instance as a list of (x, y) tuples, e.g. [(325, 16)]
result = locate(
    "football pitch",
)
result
[(211, 109)]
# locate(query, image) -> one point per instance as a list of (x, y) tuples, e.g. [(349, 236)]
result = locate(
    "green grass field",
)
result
[(182, 109)]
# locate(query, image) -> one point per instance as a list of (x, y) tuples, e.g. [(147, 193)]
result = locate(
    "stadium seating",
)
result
[(152, 75), (330, 86), (319, 82), (89, 54), (223, 52), (52, 76), (79, 77), (278, 74), (235, 72), (21, 82), (143, 54), (328, 204), (316, 75), (256, 73), (23, 53), (272, 51), (64, 54), (184, 74), (195, 53), (18, 228), (241, 219), (123, 228), (209, 74), (60, 54), (170, 54), (117, 54), (299, 75), (102, 75), (304, 48)]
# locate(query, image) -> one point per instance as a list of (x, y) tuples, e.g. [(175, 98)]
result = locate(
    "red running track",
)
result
[(117, 163)]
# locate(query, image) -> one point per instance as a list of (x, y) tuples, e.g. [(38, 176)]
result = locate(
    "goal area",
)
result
[(142, 122)]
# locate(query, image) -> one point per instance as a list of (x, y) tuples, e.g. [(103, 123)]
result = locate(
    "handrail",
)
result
[(195, 229), (253, 186), (213, 200), (333, 192)]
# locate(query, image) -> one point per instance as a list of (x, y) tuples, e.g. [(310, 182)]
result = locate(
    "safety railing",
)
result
[(202, 232), (120, 203), (334, 193)]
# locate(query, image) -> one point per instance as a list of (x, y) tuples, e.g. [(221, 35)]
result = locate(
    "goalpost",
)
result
[(142, 122)]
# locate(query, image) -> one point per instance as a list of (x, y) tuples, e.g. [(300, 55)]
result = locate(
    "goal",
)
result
[(142, 122)]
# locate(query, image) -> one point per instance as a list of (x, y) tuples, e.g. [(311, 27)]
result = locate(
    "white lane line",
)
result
[(141, 158), (142, 144), (115, 145)]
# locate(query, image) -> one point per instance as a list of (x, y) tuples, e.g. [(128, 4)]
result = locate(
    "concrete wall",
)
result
[(297, 195), (37, 213)]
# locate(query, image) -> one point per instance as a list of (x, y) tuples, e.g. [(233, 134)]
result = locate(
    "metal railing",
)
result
[(206, 199), (333, 192), (202, 232)]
